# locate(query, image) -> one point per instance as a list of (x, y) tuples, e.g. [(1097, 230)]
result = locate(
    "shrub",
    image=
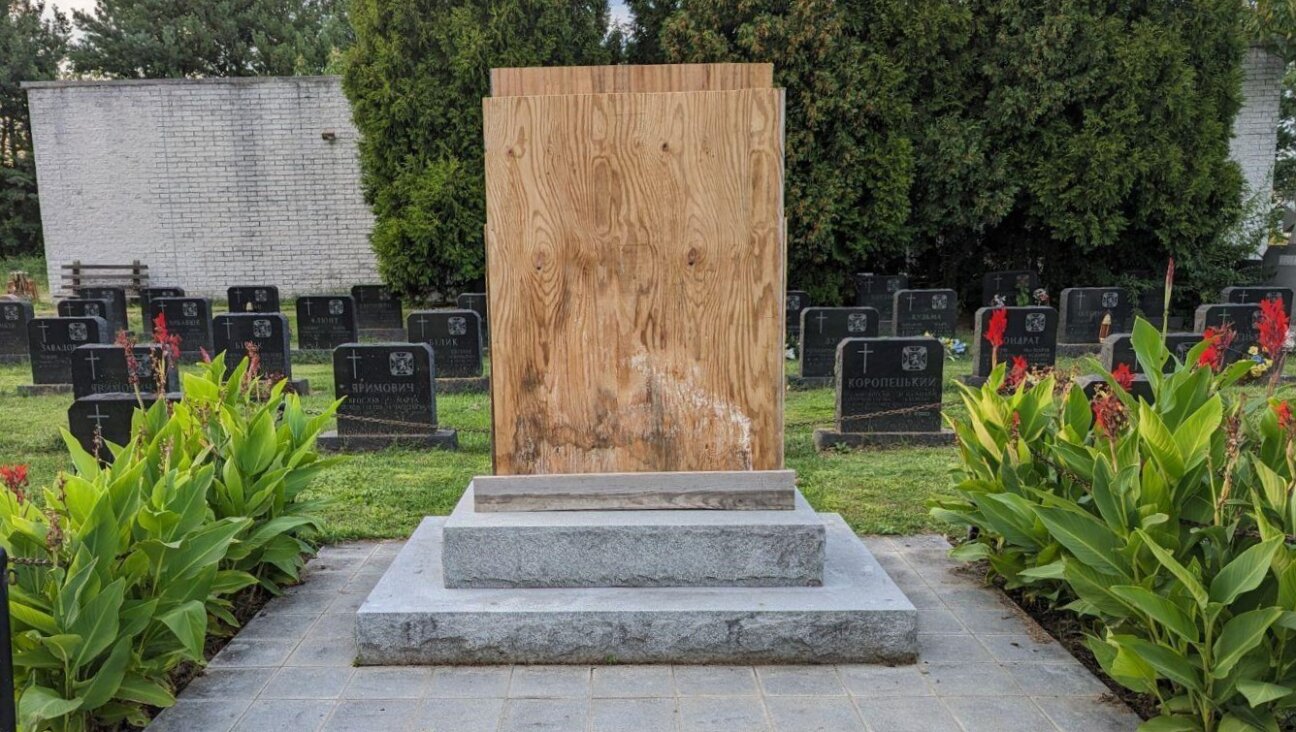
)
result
[(124, 560), (1168, 525)]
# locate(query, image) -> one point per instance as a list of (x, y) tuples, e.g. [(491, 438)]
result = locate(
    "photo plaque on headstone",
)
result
[(50, 342), (1009, 285), (253, 299), (1031, 333), (878, 291), (190, 318), (822, 329), (325, 322), (389, 398), (925, 312), (14, 315), (456, 340)]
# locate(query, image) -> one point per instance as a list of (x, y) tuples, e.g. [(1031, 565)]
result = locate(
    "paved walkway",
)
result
[(983, 666)]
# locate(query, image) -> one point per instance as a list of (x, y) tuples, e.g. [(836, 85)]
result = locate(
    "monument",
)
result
[(1008, 287), (639, 507), (378, 312), (236, 334), (456, 340), (821, 330), (389, 392), (50, 343), (925, 312), (326, 322), (1089, 314), (1031, 333), (14, 315), (191, 319), (878, 291)]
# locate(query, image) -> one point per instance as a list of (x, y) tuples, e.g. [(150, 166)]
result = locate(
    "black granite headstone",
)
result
[(1118, 349), (1141, 388), (116, 297), (188, 317), (922, 312), (50, 342), (14, 315), (377, 308), (1242, 318), (878, 291), (105, 418), (267, 331), (796, 302), (148, 294), (104, 369), (1031, 333), (324, 323), (1083, 310), (823, 328), (455, 337), (476, 302), (883, 383), (253, 299), (1255, 293), (389, 388), (1009, 284), (84, 307)]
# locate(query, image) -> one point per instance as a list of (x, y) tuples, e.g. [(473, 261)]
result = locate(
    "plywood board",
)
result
[(540, 81), (636, 268)]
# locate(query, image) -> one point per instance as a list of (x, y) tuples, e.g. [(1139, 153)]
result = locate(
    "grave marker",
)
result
[(878, 291), (796, 302), (149, 294), (253, 299), (326, 322), (1087, 311), (1253, 294), (377, 308), (888, 392), (83, 307), (1118, 349), (456, 340), (1240, 316), (1031, 332), (268, 332), (105, 418), (104, 369), (14, 315), (921, 312), (1008, 284), (823, 328), (116, 297), (476, 302), (50, 342), (191, 319), (389, 393)]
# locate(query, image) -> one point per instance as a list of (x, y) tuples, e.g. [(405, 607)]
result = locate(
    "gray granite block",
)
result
[(333, 442), (825, 439), (35, 390), (501, 549), (857, 616)]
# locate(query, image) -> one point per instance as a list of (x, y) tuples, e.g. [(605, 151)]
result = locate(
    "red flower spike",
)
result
[(14, 478), (1218, 340), (1124, 376), (1273, 326), (994, 333), (1282, 410), (1017, 374)]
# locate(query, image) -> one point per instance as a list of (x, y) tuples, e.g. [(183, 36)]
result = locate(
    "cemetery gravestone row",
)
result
[(377, 308), (823, 328), (922, 312), (326, 322), (878, 291), (389, 393), (190, 318), (116, 297), (1031, 333), (253, 299), (456, 340), (104, 369), (1008, 285), (268, 332), (50, 342), (14, 315), (1118, 349), (1086, 312)]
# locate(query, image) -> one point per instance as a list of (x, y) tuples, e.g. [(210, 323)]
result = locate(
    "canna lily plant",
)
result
[(1170, 526)]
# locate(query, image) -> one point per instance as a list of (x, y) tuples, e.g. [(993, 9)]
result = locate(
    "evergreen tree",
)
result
[(416, 77), (30, 50), (194, 38)]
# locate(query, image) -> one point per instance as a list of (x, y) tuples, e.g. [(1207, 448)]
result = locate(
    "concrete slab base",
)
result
[(14, 358), (332, 441), (300, 386), (825, 439), (33, 390), (857, 616), (686, 548), (463, 386), (809, 382), (1076, 350)]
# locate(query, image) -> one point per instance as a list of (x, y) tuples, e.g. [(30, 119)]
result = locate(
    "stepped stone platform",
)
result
[(857, 615)]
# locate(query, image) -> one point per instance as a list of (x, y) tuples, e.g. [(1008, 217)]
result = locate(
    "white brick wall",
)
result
[(210, 182), (1255, 130)]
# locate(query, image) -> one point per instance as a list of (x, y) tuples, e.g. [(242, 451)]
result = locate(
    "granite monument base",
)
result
[(470, 385), (1078, 350), (14, 358), (826, 439), (333, 442), (33, 390), (809, 382)]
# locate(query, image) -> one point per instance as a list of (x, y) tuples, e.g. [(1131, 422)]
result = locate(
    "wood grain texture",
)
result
[(748, 490), (636, 262), (630, 79)]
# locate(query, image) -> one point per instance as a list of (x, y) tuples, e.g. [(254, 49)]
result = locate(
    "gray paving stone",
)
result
[(814, 714), (722, 714), (388, 683), (875, 681), (550, 682), (351, 551), (998, 714), (972, 597), (633, 715), (906, 714), (455, 682), (924, 599), (278, 715), (950, 648), (1056, 679), (459, 715), (308, 682), (323, 652), (372, 715), (972, 679), (715, 681), (1073, 714), (1024, 648), (545, 715), (633, 681), (208, 716), (348, 601), (997, 620), (327, 579), (800, 681), (938, 620), (228, 683), (243, 653), (333, 626), (277, 626), (302, 600)]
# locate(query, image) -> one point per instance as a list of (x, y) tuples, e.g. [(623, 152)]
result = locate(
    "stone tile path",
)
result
[(983, 666)]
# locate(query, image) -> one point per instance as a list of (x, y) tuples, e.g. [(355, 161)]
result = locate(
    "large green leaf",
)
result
[(188, 623), (1159, 609), (40, 704), (1245, 572), (1088, 539), (1240, 636), (1172, 565), (97, 622), (139, 689), (1168, 662), (103, 684), (1261, 692)]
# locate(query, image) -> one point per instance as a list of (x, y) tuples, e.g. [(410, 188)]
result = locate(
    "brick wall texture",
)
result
[(1255, 130), (211, 183)]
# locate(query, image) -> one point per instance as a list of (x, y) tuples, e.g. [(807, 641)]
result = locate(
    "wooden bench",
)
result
[(133, 277)]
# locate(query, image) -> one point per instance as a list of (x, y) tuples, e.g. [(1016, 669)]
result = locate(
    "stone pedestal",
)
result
[(33, 390), (825, 439), (651, 586)]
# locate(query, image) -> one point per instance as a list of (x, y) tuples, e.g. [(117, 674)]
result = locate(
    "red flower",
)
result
[(1109, 413), (1273, 326), (14, 478), (995, 329), (132, 363), (1219, 340), (1282, 410), (1124, 376), (170, 342), (1017, 374)]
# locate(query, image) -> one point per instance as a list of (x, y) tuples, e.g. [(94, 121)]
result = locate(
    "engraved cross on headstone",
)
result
[(820, 319), (355, 360), (865, 351), (307, 304), (229, 329), (422, 324), (98, 417), (44, 329), (911, 300), (92, 358)]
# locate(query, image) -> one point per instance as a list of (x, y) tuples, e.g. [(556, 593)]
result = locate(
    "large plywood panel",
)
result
[(539, 81), (636, 268)]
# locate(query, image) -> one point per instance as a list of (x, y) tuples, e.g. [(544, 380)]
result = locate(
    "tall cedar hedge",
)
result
[(938, 137)]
